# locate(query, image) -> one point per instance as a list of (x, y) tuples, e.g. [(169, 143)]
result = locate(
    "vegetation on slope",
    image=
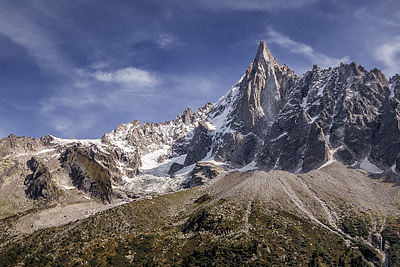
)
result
[(184, 229)]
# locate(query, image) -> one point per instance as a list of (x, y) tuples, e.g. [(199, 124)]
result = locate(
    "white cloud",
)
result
[(251, 5), (389, 54), (15, 26), (106, 89), (374, 13), (71, 99), (304, 50), (99, 65), (129, 76), (168, 40), (67, 126), (63, 125)]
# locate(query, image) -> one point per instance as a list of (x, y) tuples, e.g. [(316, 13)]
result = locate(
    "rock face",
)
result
[(263, 89), (39, 184), (87, 174), (295, 128), (202, 173), (299, 123), (271, 119), (199, 145)]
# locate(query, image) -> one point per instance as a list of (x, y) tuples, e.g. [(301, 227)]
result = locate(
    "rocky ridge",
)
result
[(310, 134), (334, 216), (271, 119)]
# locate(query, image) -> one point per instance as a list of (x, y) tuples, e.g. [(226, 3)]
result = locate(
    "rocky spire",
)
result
[(263, 54), (187, 116), (261, 90)]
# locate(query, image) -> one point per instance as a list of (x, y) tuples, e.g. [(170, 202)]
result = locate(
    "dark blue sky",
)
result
[(80, 68)]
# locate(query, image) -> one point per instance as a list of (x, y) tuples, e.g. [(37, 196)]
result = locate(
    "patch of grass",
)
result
[(203, 220), (391, 237), (146, 233), (202, 199), (355, 224)]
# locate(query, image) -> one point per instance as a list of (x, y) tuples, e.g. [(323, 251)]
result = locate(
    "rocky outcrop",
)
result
[(18, 144), (40, 186), (87, 174), (281, 121), (271, 119), (175, 167), (200, 144), (316, 150), (238, 149), (262, 89), (303, 121), (202, 173), (187, 116)]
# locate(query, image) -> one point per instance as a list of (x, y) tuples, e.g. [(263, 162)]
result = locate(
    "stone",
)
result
[(316, 151), (87, 174), (202, 173), (175, 167), (199, 145), (39, 183), (187, 116)]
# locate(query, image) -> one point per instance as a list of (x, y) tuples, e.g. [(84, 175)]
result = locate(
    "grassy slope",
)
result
[(252, 219)]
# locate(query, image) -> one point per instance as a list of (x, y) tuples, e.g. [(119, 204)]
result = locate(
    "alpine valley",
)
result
[(282, 171)]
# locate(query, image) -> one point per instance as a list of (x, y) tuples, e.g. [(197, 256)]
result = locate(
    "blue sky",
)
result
[(80, 68)]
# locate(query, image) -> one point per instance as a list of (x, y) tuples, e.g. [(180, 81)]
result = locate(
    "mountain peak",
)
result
[(263, 53), (261, 92)]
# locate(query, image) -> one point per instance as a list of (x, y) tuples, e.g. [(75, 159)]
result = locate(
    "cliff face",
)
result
[(39, 183), (271, 119), (87, 174), (326, 146)]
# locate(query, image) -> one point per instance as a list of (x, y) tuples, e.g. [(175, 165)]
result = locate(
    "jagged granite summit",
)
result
[(271, 119), (282, 170)]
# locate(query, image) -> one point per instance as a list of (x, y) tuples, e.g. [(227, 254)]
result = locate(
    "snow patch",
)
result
[(279, 137), (313, 118), (249, 167), (45, 151), (298, 170), (224, 108), (181, 159), (366, 165), (394, 168), (305, 100), (210, 126), (85, 142), (391, 90), (66, 187), (329, 162), (150, 160)]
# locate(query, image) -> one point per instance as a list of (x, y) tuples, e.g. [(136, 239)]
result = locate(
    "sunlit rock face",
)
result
[(271, 119)]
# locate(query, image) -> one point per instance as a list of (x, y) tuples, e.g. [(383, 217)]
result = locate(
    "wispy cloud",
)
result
[(100, 88), (99, 65), (69, 107), (63, 125), (168, 40), (373, 13), (304, 50), (19, 29), (251, 5), (130, 77), (389, 54)]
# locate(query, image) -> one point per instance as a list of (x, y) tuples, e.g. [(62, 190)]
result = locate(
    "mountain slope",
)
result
[(271, 119), (319, 152), (335, 216)]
